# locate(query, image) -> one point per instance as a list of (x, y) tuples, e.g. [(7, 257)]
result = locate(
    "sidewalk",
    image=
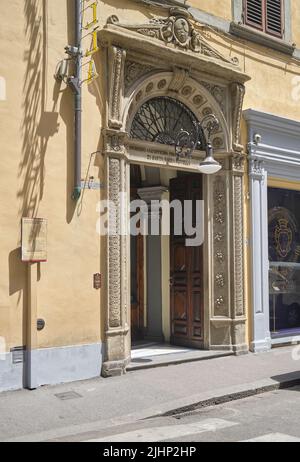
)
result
[(63, 410)]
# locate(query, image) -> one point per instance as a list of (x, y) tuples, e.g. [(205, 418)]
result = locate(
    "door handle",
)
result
[(171, 281)]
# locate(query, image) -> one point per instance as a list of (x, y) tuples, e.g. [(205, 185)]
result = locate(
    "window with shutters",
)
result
[(265, 15)]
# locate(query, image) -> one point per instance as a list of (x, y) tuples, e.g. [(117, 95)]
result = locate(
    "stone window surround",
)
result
[(277, 156), (237, 27)]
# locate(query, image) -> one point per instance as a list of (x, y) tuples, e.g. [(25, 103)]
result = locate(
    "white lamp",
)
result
[(209, 166)]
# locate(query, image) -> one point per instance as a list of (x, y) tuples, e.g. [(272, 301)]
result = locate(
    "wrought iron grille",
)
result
[(161, 119)]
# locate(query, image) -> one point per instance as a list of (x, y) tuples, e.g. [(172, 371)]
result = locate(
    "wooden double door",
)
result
[(186, 270)]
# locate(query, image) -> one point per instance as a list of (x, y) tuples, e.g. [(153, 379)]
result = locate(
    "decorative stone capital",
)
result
[(256, 169), (238, 164), (114, 142)]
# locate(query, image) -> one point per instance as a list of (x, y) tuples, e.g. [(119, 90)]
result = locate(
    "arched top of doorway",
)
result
[(194, 97), (160, 120)]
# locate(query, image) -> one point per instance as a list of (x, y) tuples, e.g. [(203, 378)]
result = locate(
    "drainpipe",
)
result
[(76, 86)]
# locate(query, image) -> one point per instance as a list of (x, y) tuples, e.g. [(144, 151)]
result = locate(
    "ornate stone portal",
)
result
[(141, 62)]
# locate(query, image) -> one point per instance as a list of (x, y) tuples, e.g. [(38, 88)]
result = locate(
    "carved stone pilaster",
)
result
[(238, 256), (117, 322), (237, 95), (116, 58), (114, 245), (220, 248), (239, 305)]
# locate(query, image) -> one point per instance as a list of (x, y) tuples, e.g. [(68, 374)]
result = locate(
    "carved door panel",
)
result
[(186, 279), (137, 288), (137, 273)]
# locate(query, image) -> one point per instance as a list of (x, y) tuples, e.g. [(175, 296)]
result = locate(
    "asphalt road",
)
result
[(101, 408), (273, 417)]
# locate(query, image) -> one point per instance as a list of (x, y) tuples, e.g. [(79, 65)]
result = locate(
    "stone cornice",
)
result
[(279, 149), (249, 33), (133, 41), (268, 121)]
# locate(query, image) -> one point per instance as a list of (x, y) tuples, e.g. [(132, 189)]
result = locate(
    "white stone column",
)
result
[(261, 339), (152, 196)]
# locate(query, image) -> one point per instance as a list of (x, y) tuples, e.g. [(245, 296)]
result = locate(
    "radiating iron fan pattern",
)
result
[(161, 119)]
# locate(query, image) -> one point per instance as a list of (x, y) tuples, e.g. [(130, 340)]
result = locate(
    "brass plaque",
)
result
[(34, 240), (97, 281)]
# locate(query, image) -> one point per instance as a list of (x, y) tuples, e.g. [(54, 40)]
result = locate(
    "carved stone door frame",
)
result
[(141, 65)]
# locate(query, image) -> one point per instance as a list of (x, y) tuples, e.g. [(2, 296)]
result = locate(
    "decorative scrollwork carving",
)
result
[(220, 246), (238, 93), (177, 30), (238, 244), (133, 71), (114, 182), (117, 57), (218, 92)]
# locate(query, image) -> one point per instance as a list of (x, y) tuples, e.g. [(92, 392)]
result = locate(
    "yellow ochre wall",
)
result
[(223, 8), (36, 140)]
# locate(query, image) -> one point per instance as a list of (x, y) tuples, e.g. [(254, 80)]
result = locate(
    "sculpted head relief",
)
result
[(181, 30)]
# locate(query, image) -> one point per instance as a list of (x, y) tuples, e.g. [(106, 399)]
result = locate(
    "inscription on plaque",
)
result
[(34, 240)]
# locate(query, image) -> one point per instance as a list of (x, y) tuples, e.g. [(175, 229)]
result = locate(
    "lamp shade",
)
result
[(209, 166)]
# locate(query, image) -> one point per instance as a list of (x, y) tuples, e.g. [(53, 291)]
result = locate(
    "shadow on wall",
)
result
[(39, 125), (18, 285)]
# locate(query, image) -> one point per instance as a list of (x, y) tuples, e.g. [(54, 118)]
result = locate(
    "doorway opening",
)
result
[(167, 289)]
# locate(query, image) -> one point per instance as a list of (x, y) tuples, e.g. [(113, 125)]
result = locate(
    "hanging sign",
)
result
[(34, 240)]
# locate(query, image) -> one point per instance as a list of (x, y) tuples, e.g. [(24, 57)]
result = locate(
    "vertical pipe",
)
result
[(78, 102), (32, 339)]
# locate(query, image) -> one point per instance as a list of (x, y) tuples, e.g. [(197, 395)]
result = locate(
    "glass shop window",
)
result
[(284, 257)]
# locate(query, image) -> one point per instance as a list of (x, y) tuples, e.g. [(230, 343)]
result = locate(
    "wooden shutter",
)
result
[(265, 15), (254, 13), (274, 17)]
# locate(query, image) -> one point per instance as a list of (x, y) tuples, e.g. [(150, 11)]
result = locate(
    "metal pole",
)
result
[(78, 102)]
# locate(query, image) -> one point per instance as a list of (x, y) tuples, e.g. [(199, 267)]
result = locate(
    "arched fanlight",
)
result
[(166, 120)]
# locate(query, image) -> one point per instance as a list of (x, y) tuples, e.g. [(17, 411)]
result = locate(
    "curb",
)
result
[(247, 392), (174, 362)]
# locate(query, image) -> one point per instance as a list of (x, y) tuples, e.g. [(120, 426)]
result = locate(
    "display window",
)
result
[(284, 258)]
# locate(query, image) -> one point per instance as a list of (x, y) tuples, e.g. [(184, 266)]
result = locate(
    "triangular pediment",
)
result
[(176, 30)]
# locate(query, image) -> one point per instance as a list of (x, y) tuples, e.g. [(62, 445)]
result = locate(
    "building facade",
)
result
[(77, 289)]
